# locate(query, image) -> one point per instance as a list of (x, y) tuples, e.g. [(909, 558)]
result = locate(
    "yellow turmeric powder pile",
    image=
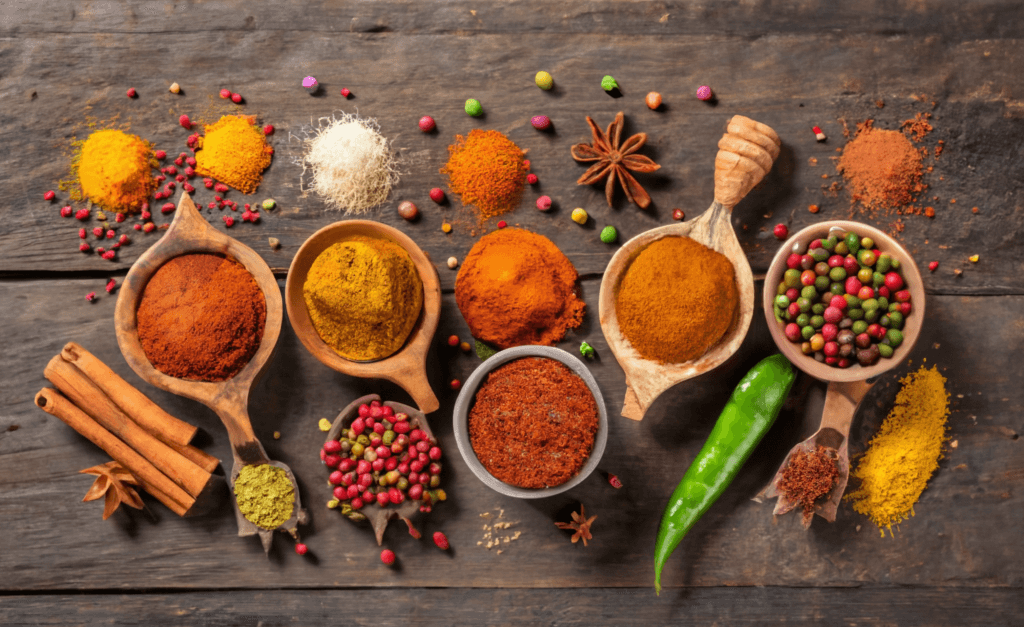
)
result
[(905, 452), (486, 170), (235, 152), (364, 296), (114, 170)]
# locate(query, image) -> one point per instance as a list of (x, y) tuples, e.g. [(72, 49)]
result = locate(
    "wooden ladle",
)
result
[(847, 387), (191, 233), (407, 367), (746, 154)]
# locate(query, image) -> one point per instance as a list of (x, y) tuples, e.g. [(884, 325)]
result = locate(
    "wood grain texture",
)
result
[(689, 607), (965, 532)]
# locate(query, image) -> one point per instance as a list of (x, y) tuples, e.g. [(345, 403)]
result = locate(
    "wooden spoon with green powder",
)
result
[(190, 233)]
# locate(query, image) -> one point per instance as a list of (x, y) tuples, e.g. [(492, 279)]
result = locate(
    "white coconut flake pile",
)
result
[(352, 166)]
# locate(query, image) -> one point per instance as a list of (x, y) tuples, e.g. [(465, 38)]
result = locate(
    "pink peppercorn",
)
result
[(132, 93), (345, 92), (225, 94), (149, 227), (437, 195), (793, 332), (236, 98), (541, 122), (84, 247), (781, 231), (91, 296), (185, 122), (532, 179), (268, 129), (109, 255), (66, 211), (833, 314), (160, 154), (502, 224), (221, 187), (180, 161), (893, 281), (831, 349), (387, 555), (119, 218), (167, 207), (111, 284), (49, 195), (301, 548), (229, 221), (829, 331), (427, 124), (137, 227), (111, 234), (933, 266), (543, 203), (123, 239), (97, 231), (82, 233), (188, 188)]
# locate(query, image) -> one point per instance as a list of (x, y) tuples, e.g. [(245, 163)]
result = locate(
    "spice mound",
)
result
[(809, 477), (353, 168), (486, 170), (676, 300), (364, 296), (113, 171), (515, 288), (882, 168), (201, 317), (533, 423), (265, 495), (905, 452), (235, 152)]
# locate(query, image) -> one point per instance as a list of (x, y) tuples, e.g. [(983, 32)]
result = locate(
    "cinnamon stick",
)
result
[(154, 481), (90, 399), (132, 402)]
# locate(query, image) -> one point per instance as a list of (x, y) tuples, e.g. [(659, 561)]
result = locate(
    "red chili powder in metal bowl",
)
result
[(533, 423)]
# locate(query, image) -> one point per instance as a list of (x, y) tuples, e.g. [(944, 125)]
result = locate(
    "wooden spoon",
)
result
[(377, 515), (191, 233), (407, 367), (847, 387), (746, 153)]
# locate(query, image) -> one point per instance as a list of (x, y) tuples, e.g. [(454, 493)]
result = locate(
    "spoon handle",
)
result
[(233, 411), (841, 403), (745, 155)]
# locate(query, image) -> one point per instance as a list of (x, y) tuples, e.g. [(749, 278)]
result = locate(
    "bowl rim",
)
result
[(460, 419), (909, 270)]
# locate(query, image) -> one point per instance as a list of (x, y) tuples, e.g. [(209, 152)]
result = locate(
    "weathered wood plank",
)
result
[(790, 81), (964, 534), (840, 607)]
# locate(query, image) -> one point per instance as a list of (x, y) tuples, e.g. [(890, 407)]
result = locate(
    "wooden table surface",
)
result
[(64, 69)]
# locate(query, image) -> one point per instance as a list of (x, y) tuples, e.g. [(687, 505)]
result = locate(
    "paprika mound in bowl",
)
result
[(530, 422), (911, 276)]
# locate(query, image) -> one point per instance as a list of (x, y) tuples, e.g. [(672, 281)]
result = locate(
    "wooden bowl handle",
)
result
[(413, 379), (841, 403), (233, 410), (746, 153)]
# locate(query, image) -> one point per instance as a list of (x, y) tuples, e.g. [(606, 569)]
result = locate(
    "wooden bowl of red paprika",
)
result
[(850, 384), (190, 234), (407, 367), (468, 397)]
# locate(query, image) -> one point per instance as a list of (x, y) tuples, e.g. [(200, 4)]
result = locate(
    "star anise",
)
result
[(581, 524), (110, 480), (615, 158)]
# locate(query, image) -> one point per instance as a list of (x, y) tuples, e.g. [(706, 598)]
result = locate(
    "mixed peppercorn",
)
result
[(843, 299)]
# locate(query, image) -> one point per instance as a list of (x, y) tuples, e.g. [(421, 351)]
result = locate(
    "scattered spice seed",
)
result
[(446, 228), (814, 208), (608, 83), (236, 98), (474, 108), (453, 340), (301, 548), (437, 195), (677, 214), (974, 210), (345, 92), (277, 435), (132, 93), (167, 207), (174, 88), (541, 122), (502, 224), (441, 541), (387, 556), (532, 179), (111, 284), (929, 212), (160, 154), (324, 424), (653, 100), (455, 384), (185, 122), (614, 481), (781, 231), (91, 296), (704, 93), (66, 211), (609, 235), (544, 80), (225, 94), (427, 124), (974, 258), (453, 263), (274, 242), (958, 272), (268, 129), (84, 247), (109, 255), (408, 210), (49, 195), (465, 347), (579, 215), (587, 350), (149, 227), (123, 239), (933, 266), (229, 221), (543, 203)]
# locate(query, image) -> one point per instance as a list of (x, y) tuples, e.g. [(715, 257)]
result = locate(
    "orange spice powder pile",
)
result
[(486, 170), (882, 168)]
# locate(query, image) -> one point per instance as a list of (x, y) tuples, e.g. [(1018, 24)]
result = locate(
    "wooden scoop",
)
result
[(407, 367), (746, 153), (191, 233), (847, 387)]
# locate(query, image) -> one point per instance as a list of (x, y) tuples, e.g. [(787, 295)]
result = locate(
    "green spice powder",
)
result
[(265, 495)]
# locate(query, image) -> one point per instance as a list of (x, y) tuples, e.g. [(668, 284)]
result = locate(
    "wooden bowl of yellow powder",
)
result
[(365, 300)]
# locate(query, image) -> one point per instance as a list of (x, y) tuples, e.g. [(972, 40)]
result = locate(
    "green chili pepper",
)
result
[(751, 410)]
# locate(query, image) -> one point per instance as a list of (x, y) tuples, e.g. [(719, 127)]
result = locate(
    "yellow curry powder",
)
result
[(113, 170), (364, 296), (905, 452), (265, 495), (234, 152)]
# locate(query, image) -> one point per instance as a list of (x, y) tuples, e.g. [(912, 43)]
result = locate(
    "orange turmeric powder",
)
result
[(234, 152), (517, 287), (486, 170), (113, 170), (676, 300)]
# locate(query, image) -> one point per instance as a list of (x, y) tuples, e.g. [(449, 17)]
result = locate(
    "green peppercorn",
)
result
[(895, 263), (885, 321), (791, 278), (855, 314), (804, 304), (869, 305), (782, 301), (609, 235), (851, 300), (822, 282), (818, 309), (803, 320), (781, 289), (877, 279), (807, 332), (817, 322), (830, 243), (884, 263), (895, 337), (808, 291), (883, 303), (842, 248), (357, 450), (852, 242), (819, 254), (837, 274), (403, 484), (864, 275), (388, 437), (872, 315), (884, 350), (859, 327), (363, 439), (867, 242), (896, 320), (474, 108), (866, 257), (837, 287), (778, 313), (894, 307), (382, 480)]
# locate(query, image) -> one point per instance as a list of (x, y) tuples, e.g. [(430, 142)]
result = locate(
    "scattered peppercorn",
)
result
[(933, 266), (149, 227), (229, 221), (532, 179), (608, 83), (543, 203), (441, 541), (502, 224), (446, 228), (677, 214), (84, 247), (408, 210), (66, 211), (614, 481), (268, 129), (160, 154), (579, 215), (225, 94), (465, 347), (704, 93), (974, 258), (609, 235), (587, 350), (387, 556), (91, 296), (167, 207), (174, 88), (453, 263), (653, 100), (813, 208), (427, 123), (455, 384), (301, 548), (929, 212), (544, 80), (111, 284), (437, 195), (132, 93), (474, 108), (185, 122), (269, 204), (49, 195), (453, 340), (781, 231), (541, 122), (236, 98), (324, 424), (274, 242)]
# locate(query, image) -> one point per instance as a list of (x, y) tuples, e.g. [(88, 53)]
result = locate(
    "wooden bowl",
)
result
[(468, 395), (746, 153), (407, 367), (191, 233), (908, 268)]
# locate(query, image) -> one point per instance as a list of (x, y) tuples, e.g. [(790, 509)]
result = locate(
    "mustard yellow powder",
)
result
[(113, 170), (235, 152), (265, 495)]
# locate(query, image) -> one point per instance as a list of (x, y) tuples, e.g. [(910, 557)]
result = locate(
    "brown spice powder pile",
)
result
[(533, 423), (882, 168), (808, 477)]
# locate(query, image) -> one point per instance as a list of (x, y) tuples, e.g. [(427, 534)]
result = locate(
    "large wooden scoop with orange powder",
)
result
[(746, 154)]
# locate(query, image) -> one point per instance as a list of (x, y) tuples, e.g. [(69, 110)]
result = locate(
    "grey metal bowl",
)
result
[(468, 395)]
